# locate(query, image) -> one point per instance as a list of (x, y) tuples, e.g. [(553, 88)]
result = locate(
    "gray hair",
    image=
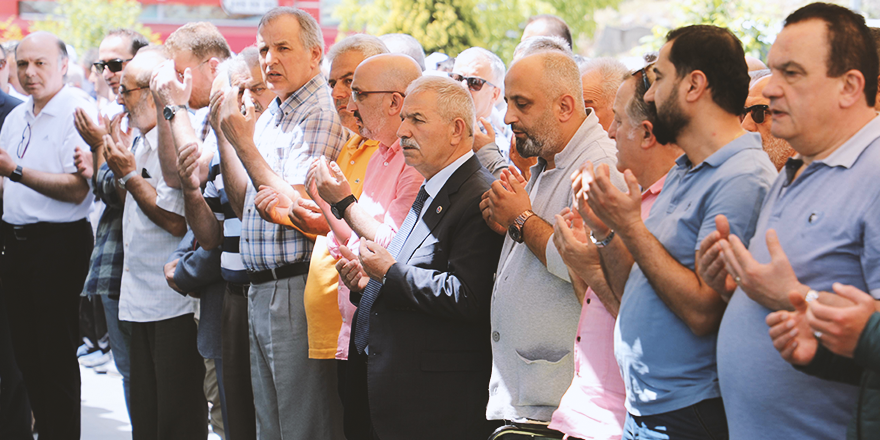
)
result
[(142, 61), (611, 72), (453, 100), (405, 44), (366, 45), (310, 35), (756, 76), (494, 62), (533, 45)]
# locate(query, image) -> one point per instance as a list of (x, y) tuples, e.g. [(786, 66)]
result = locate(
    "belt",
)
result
[(238, 289), (279, 273), (40, 229)]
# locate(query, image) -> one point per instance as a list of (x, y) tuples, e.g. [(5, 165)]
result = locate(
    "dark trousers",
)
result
[(43, 274), (167, 377), (355, 398), (241, 415), (15, 412), (704, 420)]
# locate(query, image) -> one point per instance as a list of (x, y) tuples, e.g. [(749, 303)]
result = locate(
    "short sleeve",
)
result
[(739, 199), (169, 199), (870, 255)]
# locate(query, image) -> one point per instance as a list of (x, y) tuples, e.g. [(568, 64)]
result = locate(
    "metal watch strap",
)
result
[(601, 243)]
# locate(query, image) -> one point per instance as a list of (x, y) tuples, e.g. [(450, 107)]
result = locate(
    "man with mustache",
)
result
[(534, 310)]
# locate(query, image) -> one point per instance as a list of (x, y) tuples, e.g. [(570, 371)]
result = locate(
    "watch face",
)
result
[(168, 113), (515, 233), (335, 212)]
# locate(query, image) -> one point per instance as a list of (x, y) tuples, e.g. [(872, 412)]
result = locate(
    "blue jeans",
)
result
[(120, 338), (702, 421)]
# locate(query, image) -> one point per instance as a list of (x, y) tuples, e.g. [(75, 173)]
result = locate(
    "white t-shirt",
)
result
[(44, 142)]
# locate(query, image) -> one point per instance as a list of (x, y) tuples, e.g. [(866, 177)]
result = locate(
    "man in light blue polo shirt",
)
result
[(823, 212), (665, 335)]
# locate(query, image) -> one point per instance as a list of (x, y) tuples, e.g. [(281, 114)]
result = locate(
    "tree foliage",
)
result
[(754, 23), (10, 31), (449, 26), (83, 23)]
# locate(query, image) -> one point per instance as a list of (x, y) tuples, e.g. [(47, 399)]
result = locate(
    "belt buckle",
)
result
[(19, 233)]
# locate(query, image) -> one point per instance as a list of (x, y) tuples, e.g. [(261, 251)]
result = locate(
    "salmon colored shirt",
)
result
[(390, 188), (593, 406), (322, 312)]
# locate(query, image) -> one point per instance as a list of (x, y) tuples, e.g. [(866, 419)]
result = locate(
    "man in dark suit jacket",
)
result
[(420, 354), (7, 103)]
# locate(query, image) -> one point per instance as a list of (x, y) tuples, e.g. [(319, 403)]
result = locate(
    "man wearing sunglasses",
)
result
[(756, 119), (482, 73), (46, 235)]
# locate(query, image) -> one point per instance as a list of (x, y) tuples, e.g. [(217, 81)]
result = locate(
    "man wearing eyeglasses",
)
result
[(482, 73), (47, 238), (756, 119)]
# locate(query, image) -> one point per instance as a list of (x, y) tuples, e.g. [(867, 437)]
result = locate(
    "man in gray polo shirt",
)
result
[(823, 211), (534, 310), (666, 328)]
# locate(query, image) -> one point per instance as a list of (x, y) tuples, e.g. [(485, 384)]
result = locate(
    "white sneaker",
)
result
[(94, 359)]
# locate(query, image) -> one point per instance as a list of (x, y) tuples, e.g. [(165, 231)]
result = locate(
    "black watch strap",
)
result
[(339, 207), (16, 174)]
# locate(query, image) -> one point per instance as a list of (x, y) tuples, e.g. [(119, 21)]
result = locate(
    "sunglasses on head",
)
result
[(644, 73), (758, 112), (474, 83), (113, 65)]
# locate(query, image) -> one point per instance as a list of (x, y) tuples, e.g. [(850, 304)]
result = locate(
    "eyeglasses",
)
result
[(113, 65), (124, 92), (644, 72), (474, 83), (356, 95), (25, 141), (180, 72), (759, 112)]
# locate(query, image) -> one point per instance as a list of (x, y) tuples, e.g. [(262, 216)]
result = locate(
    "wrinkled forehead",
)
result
[(474, 65)]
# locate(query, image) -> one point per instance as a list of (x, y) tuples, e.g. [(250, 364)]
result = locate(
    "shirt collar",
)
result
[(847, 154), (436, 182), (746, 141), (151, 138), (655, 188), (389, 151), (280, 109), (589, 131), (52, 108)]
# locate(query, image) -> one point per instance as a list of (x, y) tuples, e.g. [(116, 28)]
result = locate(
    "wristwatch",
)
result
[(16, 174), (171, 110), (602, 243), (124, 179), (339, 207), (515, 230)]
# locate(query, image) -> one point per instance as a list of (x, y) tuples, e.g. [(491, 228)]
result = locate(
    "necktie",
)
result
[(371, 292)]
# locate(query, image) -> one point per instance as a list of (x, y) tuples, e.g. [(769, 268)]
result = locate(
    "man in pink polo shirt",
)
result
[(390, 186), (593, 406)]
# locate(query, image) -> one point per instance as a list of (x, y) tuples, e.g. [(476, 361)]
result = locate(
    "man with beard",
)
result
[(534, 310), (664, 339), (757, 120)]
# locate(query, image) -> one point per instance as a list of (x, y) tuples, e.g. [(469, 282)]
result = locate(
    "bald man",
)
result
[(46, 235)]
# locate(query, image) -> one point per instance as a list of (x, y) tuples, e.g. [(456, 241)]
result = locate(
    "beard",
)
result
[(542, 135), (671, 118), (778, 149)]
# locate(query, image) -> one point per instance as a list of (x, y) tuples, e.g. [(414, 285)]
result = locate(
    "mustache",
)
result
[(357, 115), (409, 142)]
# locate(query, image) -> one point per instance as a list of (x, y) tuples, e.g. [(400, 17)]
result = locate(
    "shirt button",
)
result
[(352, 162), (579, 339), (496, 336), (588, 300), (386, 164)]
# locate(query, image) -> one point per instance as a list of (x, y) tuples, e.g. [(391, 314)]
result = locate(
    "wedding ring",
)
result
[(817, 334), (737, 280)]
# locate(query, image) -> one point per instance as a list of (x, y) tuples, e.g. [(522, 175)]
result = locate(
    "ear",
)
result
[(697, 85), (496, 93), (64, 62), (459, 132), (315, 57), (647, 139), (565, 107), (213, 62), (396, 104), (852, 88)]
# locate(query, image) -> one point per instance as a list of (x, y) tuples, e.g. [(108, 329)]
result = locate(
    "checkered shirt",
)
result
[(289, 135), (105, 265)]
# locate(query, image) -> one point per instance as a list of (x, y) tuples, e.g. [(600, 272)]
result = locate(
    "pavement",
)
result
[(104, 415)]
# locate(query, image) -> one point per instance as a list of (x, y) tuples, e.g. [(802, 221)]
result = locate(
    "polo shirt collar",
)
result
[(747, 141), (589, 131), (847, 154), (52, 108)]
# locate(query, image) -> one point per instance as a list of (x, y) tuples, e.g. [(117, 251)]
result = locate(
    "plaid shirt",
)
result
[(289, 136), (105, 265)]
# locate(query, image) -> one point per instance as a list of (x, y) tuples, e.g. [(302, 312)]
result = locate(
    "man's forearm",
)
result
[(201, 219), (145, 196), (362, 223), (71, 188), (172, 135), (536, 234), (617, 263), (235, 177), (692, 300)]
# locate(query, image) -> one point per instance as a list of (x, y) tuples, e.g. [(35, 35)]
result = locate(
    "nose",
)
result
[(612, 130), (404, 131), (649, 94), (352, 106), (119, 99), (339, 91)]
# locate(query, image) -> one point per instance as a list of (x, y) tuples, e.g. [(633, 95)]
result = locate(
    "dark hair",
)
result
[(137, 40), (557, 26), (850, 43), (717, 53)]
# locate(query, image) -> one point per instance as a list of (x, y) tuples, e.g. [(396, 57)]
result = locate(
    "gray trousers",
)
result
[(295, 397)]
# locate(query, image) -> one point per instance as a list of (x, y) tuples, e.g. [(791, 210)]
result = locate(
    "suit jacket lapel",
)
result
[(438, 208)]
